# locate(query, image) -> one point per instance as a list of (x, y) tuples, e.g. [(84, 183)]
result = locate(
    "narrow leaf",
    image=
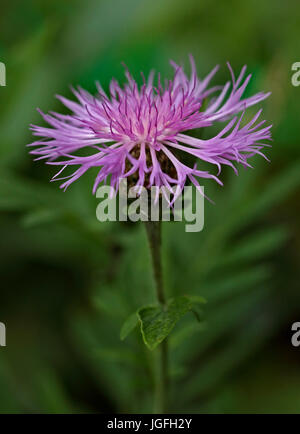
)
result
[(158, 321), (128, 326)]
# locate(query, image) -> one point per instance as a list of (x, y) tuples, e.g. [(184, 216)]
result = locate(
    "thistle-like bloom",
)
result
[(140, 133)]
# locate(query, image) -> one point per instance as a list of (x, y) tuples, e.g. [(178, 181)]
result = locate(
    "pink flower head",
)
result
[(140, 133)]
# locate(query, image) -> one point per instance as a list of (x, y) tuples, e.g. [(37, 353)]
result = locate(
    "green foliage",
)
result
[(68, 282), (129, 325), (158, 321)]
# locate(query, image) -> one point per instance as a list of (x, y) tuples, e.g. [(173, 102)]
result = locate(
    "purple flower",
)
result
[(140, 133)]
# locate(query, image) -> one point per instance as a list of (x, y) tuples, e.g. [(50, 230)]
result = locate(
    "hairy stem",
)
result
[(161, 378)]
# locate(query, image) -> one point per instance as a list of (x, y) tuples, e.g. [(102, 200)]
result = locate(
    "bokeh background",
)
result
[(69, 282)]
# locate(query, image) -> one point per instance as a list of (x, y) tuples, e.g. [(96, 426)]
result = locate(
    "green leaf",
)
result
[(158, 321), (40, 216), (129, 325)]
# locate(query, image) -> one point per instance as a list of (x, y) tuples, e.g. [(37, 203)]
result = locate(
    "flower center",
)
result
[(165, 164)]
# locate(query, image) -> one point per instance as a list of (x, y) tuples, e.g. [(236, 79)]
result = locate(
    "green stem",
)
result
[(161, 378)]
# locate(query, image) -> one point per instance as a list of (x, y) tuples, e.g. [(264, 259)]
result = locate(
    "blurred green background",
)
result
[(68, 282)]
